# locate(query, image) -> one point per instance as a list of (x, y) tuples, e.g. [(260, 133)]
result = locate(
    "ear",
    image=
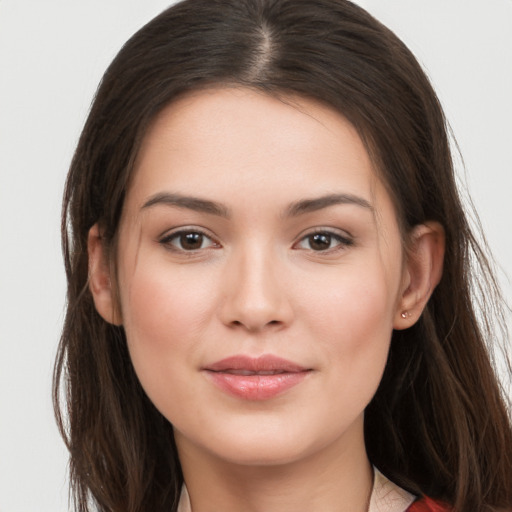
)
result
[(422, 273), (100, 283)]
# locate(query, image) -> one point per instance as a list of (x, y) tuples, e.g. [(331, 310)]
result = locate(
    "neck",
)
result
[(337, 478)]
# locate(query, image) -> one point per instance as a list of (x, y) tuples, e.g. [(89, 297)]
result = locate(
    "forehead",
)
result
[(230, 142)]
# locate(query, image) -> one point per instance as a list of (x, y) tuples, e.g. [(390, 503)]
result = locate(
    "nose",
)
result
[(255, 295)]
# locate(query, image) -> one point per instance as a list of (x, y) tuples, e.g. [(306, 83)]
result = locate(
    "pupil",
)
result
[(191, 241), (320, 242)]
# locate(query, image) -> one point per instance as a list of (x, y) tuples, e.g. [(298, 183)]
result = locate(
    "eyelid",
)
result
[(166, 238), (344, 238)]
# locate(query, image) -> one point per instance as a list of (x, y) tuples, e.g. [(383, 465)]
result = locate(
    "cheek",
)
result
[(164, 302), (353, 325), (166, 314), (353, 302)]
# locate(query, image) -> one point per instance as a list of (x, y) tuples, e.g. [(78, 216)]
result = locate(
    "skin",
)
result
[(257, 283)]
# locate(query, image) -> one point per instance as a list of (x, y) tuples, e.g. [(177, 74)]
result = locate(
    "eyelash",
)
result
[(168, 239), (342, 241)]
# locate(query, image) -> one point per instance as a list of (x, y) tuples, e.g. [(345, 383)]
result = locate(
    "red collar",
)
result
[(428, 505)]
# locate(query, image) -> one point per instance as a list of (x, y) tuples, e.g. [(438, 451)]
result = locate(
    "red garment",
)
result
[(428, 505)]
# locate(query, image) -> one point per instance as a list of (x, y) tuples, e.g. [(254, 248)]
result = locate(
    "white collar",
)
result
[(386, 496)]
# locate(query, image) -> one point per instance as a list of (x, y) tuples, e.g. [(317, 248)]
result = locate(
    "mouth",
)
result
[(259, 378), (249, 372)]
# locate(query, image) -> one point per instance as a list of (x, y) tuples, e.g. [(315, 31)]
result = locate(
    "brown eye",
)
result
[(191, 241), (322, 241), (187, 241), (319, 241)]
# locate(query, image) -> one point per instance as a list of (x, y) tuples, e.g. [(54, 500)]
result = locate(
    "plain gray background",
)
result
[(52, 55)]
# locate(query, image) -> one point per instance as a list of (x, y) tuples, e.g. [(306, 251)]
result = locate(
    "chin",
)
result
[(260, 443), (269, 453)]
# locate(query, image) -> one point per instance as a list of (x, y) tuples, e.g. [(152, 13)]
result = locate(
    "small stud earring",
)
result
[(405, 314)]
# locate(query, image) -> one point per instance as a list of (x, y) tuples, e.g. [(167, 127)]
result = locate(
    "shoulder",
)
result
[(428, 505)]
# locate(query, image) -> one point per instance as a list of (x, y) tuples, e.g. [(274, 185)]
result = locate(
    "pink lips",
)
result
[(259, 378)]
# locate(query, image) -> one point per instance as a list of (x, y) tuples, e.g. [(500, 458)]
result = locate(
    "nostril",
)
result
[(238, 323)]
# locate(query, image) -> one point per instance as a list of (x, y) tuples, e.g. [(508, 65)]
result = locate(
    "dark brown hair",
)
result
[(438, 423)]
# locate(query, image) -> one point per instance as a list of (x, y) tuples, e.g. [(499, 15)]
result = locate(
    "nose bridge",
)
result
[(255, 296)]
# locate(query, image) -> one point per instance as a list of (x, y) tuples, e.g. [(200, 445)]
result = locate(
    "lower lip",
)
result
[(256, 387)]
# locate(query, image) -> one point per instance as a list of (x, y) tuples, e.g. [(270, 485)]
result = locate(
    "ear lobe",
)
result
[(424, 268), (99, 278)]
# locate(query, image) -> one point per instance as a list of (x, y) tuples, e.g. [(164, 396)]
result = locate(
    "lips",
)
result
[(260, 378), (249, 372)]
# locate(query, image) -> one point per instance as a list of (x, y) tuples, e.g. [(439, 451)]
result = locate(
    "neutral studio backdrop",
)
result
[(52, 55)]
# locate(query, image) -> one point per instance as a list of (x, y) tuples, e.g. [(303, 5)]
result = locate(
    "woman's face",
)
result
[(260, 273)]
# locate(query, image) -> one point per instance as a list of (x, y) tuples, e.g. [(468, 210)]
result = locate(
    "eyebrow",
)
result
[(312, 205), (295, 209), (191, 203)]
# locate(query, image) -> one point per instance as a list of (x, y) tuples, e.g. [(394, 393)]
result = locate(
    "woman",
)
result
[(268, 268)]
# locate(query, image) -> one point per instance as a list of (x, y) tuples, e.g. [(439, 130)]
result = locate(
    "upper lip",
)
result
[(267, 363)]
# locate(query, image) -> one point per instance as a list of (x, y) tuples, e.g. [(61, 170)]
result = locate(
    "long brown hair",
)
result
[(438, 424)]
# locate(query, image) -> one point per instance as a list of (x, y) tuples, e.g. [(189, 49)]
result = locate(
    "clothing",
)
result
[(428, 505), (386, 497)]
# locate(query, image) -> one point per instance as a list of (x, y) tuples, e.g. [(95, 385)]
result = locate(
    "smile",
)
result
[(249, 372), (259, 378)]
